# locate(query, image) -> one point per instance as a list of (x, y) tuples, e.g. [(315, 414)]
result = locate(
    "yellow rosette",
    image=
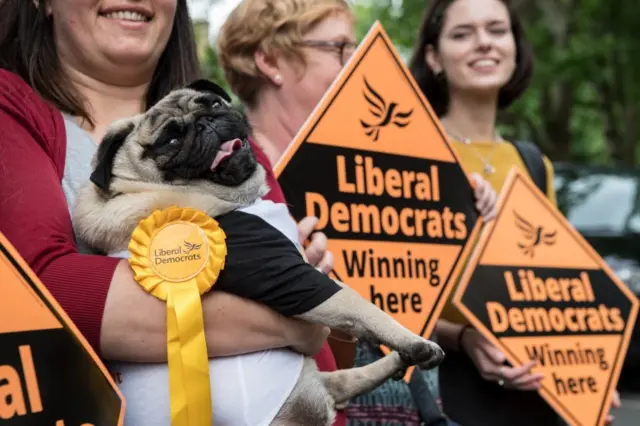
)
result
[(177, 255)]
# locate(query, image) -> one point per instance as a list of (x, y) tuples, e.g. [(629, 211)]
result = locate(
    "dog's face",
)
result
[(191, 137)]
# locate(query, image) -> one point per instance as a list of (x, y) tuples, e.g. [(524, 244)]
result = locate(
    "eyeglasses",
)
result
[(344, 48)]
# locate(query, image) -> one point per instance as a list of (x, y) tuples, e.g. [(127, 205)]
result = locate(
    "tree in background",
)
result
[(584, 102), (206, 54)]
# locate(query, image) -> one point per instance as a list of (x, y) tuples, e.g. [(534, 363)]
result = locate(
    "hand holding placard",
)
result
[(539, 292), (490, 362), (316, 251)]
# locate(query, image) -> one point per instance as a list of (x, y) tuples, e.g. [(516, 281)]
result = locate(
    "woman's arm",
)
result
[(448, 334), (134, 324), (98, 292)]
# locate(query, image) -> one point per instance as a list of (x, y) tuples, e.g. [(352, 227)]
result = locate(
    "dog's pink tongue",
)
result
[(226, 149)]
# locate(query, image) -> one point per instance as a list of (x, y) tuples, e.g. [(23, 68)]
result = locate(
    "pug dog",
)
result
[(191, 150)]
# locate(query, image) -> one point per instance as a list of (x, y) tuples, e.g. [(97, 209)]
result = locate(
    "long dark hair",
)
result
[(435, 87), (27, 48)]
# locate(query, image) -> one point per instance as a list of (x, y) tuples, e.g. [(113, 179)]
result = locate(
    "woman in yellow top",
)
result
[(472, 59)]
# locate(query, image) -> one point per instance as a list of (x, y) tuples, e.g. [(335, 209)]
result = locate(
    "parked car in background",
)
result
[(603, 204)]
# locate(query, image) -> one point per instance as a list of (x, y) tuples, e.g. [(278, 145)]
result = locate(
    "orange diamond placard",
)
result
[(49, 375), (537, 290), (370, 163)]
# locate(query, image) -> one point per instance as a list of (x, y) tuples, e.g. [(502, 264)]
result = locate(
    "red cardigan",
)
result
[(34, 215)]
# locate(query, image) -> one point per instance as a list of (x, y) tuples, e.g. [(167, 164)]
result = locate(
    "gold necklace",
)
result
[(488, 168)]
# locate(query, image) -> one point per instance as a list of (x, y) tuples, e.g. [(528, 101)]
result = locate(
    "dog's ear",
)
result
[(109, 147), (203, 85)]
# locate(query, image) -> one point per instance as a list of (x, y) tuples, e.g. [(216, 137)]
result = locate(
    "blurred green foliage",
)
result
[(584, 101)]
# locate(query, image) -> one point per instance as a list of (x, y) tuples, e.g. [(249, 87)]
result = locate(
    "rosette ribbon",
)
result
[(177, 255)]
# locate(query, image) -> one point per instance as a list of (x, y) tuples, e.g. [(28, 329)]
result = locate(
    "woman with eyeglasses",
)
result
[(280, 57), (282, 67)]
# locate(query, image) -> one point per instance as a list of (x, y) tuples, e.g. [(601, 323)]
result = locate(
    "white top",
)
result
[(246, 390)]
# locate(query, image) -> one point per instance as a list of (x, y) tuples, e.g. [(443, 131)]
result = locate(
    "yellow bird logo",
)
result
[(535, 235), (385, 113), (189, 247)]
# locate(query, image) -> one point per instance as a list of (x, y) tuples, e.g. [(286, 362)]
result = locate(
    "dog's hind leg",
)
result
[(309, 403), (349, 383)]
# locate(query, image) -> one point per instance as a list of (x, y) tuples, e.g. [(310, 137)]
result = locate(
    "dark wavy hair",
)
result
[(435, 88), (27, 48)]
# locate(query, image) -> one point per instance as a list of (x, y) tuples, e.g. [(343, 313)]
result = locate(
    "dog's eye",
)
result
[(174, 142), (216, 104)]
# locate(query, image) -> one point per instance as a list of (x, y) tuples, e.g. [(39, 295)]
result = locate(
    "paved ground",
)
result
[(629, 413)]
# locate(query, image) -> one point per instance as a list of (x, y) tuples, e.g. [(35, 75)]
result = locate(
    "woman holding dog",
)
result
[(280, 70), (68, 69), (472, 59)]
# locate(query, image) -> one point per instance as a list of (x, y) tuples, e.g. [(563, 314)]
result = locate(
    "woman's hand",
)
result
[(316, 251), (486, 197), (489, 361), (615, 403), (310, 337)]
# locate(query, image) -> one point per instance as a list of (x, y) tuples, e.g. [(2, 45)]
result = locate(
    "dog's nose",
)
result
[(205, 124)]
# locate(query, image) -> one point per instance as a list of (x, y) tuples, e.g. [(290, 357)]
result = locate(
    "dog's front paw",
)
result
[(426, 354)]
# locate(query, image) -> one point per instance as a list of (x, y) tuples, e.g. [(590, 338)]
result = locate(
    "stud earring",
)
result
[(277, 79)]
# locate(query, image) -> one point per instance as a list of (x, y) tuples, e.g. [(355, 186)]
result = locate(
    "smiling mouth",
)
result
[(126, 15), (484, 63)]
